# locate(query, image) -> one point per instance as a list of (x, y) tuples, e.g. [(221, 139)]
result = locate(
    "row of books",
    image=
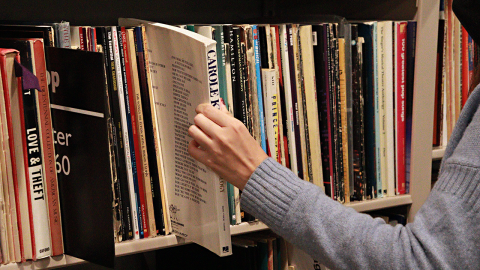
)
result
[(457, 55), (333, 101), (330, 101)]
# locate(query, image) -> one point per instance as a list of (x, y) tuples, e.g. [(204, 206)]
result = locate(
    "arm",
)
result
[(445, 233)]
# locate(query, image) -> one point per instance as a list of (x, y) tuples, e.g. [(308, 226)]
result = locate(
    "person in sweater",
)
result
[(445, 233)]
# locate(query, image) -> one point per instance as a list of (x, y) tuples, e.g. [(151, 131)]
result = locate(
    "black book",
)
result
[(121, 203), (237, 62), (293, 85), (322, 83), (359, 180), (410, 74), (337, 124), (149, 133), (263, 47), (367, 32), (78, 111)]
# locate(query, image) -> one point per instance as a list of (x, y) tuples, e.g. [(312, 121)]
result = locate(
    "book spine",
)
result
[(410, 71), (132, 130), (343, 109), (380, 111), (240, 106), (388, 183), (295, 112), (368, 32), (258, 68), (82, 37), (125, 137), (271, 111), (289, 121), (358, 116), (221, 194), (302, 112), (400, 93), (48, 151), (219, 36), (283, 116)]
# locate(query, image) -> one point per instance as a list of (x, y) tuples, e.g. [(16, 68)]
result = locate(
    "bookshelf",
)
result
[(438, 152), (86, 12)]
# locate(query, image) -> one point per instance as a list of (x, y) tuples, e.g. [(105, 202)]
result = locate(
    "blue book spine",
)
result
[(258, 68)]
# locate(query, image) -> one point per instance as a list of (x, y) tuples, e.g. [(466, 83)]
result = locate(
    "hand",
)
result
[(224, 144)]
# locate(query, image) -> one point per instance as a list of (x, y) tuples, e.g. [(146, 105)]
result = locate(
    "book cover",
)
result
[(78, 110), (197, 196)]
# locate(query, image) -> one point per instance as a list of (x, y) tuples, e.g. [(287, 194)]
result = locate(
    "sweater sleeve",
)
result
[(444, 235)]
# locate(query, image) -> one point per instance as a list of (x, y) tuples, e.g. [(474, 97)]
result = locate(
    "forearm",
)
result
[(341, 238)]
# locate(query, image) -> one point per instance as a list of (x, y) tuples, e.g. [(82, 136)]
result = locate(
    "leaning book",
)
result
[(183, 68)]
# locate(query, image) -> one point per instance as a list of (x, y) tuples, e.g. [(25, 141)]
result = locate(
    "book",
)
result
[(197, 197), (311, 106), (368, 32), (409, 80), (380, 107), (78, 105), (400, 47)]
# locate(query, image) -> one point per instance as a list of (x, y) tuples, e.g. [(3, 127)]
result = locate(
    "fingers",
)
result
[(220, 118), (199, 136), (196, 152)]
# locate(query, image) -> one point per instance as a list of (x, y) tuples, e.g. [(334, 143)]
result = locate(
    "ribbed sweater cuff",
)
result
[(270, 192), (461, 181)]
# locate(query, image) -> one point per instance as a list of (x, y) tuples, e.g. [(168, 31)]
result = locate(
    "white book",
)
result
[(183, 74), (292, 149), (389, 112), (269, 80), (306, 42), (381, 187), (41, 226), (6, 235), (128, 158)]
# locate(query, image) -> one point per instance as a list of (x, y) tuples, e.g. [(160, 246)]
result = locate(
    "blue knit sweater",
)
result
[(445, 233)]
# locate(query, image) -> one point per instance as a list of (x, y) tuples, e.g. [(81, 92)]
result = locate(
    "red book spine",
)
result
[(131, 101), (48, 149), (6, 95), (465, 67), (400, 105), (81, 34)]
